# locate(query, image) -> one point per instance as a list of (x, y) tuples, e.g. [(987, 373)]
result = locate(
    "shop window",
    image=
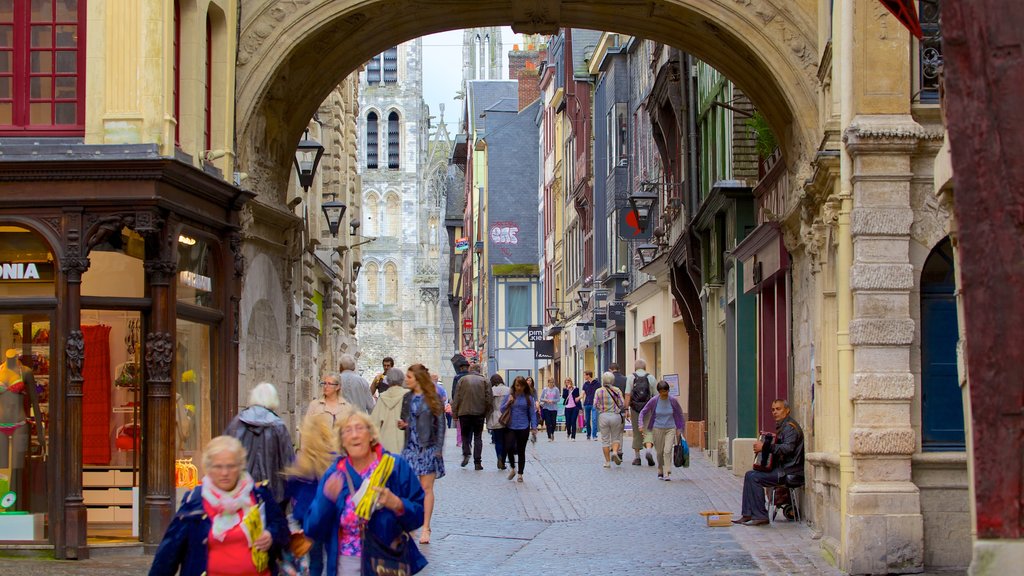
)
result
[(26, 264), (42, 67), (195, 272), (115, 267), (194, 377)]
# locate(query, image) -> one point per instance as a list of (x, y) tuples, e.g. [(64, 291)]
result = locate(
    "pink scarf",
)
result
[(229, 507)]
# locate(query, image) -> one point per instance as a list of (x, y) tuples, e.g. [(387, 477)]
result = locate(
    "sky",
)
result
[(442, 72)]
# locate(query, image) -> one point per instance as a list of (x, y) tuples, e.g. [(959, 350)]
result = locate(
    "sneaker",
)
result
[(607, 464), (519, 478), (617, 459), (661, 476), (636, 461), (465, 461), (511, 473), (650, 459)]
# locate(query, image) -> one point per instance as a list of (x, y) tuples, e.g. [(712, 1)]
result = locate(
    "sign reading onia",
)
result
[(26, 271)]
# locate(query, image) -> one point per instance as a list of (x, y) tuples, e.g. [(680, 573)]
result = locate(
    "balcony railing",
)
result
[(930, 51)]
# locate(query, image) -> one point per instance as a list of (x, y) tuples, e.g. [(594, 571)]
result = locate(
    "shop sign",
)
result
[(648, 326), (195, 280), (544, 350), (467, 323), (26, 271), (534, 333), (470, 354), (461, 245)]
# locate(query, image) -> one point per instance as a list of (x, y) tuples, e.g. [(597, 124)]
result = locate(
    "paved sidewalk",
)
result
[(570, 516)]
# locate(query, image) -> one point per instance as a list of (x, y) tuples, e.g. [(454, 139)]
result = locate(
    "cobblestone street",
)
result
[(570, 516)]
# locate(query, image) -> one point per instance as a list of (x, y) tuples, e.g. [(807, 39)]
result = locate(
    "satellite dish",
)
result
[(8, 500)]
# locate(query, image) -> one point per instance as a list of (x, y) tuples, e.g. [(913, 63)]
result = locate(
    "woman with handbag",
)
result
[(366, 504), (609, 405), (522, 421), (228, 524), (423, 422), (319, 448), (549, 398), (571, 399), (499, 391), (663, 416)]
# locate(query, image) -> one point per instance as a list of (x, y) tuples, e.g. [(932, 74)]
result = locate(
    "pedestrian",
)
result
[(388, 411), (471, 403), (423, 422), (354, 387), (639, 390), (590, 385), (219, 527), (331, 402), (522, 423), (571, 400), (342, 510), (663, 417), (549, 398), (461, 366), (608, 402), (319, 447), (499, 391), (379, 384), (265, 438)]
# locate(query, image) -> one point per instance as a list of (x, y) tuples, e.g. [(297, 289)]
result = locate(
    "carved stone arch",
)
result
[(768, 48)]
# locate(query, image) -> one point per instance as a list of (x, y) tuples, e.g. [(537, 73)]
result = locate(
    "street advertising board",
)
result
[(544, 350), (673, 384), (461, 245)]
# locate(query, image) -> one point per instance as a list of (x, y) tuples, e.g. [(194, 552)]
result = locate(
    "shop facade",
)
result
[(119, 303)]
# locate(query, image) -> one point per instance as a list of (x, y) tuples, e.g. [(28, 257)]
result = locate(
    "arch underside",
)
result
[(293, 53)]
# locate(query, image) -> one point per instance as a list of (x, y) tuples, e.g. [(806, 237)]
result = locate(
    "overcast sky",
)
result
[(442, 72)]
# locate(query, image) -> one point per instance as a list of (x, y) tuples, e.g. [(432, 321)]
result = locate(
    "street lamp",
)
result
[(647, 253), (334, 211), (553, 313), (584, 295), (307, 160), (642, 203)]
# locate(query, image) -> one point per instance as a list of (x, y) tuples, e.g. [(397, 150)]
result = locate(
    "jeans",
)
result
[(448, 418), (472, 430), (590, 416), (516, 441), (498, 437), (754, 483), (550, 419), (571, 415)]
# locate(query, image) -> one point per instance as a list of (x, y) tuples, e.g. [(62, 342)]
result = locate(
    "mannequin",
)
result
[(15, 381)]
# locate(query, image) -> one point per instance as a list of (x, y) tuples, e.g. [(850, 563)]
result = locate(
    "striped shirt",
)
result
[(608, 399)]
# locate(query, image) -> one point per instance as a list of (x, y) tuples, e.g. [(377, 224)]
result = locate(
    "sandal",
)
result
[(425, 536)]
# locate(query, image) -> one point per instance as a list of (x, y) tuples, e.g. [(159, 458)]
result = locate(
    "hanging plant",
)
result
[(765, 142)]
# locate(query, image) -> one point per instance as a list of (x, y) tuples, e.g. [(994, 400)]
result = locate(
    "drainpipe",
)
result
[(844, 255), (691, 133)]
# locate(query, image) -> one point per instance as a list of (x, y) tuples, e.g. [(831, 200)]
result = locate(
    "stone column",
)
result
[(884, 526)]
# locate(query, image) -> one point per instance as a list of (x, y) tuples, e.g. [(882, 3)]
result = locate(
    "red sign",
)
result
[(470, 355), (649, 326), (467, 323)]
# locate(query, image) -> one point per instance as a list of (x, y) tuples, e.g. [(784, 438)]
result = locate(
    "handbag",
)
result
[(681, 454), (580, 420), (506, 415), (380, 558)]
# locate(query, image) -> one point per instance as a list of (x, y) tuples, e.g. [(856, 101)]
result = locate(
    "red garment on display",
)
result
[(96, 396)]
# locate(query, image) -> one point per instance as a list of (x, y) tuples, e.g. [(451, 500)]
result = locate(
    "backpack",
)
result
[(639, 395)]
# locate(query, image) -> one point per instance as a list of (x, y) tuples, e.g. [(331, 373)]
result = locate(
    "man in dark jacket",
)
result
[(471, 402), (264, 436), (461, 366), (788, 454)]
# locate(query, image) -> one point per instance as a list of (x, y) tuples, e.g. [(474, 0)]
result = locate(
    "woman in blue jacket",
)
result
[(523, 420), (209, 532), (335, 518)]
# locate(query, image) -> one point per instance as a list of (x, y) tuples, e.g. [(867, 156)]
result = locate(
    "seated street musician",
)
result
[(787, 452)]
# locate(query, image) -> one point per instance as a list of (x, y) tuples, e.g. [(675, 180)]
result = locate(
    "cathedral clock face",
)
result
[(8, 500)]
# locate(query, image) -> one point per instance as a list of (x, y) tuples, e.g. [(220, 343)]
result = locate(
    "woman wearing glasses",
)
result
[(424, 425), (330, 403), (229, 524), (390, 505)]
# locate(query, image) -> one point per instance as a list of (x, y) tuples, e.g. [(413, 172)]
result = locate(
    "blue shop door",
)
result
[(942, 409)]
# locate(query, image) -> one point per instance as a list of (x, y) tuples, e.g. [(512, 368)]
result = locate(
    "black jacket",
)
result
[(429, 428), (789, 447), (267, 443)]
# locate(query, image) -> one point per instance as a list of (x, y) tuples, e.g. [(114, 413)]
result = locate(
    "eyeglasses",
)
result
[(224, 467), (328, 383), (356, 429)]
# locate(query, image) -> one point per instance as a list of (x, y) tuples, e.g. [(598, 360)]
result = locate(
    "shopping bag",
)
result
[(580, 420), (681, 454)]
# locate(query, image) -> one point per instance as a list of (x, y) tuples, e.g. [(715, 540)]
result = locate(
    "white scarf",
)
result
[(229, 507)]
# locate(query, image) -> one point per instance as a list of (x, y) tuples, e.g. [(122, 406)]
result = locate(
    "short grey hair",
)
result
[(347, 362), (264, 394), (640, 364), (783, 401), (222, 444), (394, 377), (607, 378)]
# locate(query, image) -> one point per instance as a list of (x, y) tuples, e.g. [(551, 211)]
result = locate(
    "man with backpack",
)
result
[(640, 387)]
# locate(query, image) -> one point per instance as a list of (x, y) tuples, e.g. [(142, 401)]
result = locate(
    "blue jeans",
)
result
[(498, 437), (590, 415)]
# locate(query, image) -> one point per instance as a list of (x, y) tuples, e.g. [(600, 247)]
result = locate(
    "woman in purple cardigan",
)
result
[(663, 416)]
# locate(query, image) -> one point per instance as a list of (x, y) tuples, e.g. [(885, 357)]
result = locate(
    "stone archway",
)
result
[(766, 47)]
